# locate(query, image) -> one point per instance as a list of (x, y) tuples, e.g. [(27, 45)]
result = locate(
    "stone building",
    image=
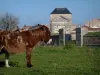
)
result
[(92, 26), (95, 23), (60, 18)]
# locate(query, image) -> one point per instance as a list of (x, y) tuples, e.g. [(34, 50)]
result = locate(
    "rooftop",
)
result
[(61, 11)]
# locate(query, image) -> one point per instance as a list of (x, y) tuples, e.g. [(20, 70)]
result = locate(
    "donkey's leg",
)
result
[(6, 57), (28, 56), (6, 63)]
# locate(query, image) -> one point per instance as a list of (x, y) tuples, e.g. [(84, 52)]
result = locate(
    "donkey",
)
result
[(20, 41)]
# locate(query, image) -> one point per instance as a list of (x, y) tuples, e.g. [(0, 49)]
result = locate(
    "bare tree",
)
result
[(9, 22)]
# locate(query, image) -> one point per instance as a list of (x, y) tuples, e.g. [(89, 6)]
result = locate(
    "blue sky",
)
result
[(32, 12)]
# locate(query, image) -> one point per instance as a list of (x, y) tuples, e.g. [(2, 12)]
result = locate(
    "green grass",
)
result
[(56, 61)]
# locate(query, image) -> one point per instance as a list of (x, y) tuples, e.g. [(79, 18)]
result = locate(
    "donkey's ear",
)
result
[(38, 24)]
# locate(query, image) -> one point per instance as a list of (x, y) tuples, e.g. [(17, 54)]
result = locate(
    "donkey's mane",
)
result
[(35, 27)]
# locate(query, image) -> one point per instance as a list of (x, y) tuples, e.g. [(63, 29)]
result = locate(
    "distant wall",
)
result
[(55, 39), (56, 22), (69, 16)]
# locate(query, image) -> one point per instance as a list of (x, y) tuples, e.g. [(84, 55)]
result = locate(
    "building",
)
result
[(25, 28), (95, 23), (92, 26), (90, 29), (60, 18), (73, 31)]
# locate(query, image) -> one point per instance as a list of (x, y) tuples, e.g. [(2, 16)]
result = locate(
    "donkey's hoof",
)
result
[(7, 66), (29, 65)]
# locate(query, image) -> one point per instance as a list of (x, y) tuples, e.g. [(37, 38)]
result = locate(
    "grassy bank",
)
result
[(56, 61)]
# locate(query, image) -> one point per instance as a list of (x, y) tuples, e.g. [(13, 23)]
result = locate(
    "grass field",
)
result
[(56, 61)]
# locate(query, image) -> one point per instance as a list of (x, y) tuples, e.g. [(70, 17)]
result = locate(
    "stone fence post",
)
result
[(61, 37), (80, 32)]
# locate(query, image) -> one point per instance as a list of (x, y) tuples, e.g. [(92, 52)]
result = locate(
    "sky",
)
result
[(31, 12)]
